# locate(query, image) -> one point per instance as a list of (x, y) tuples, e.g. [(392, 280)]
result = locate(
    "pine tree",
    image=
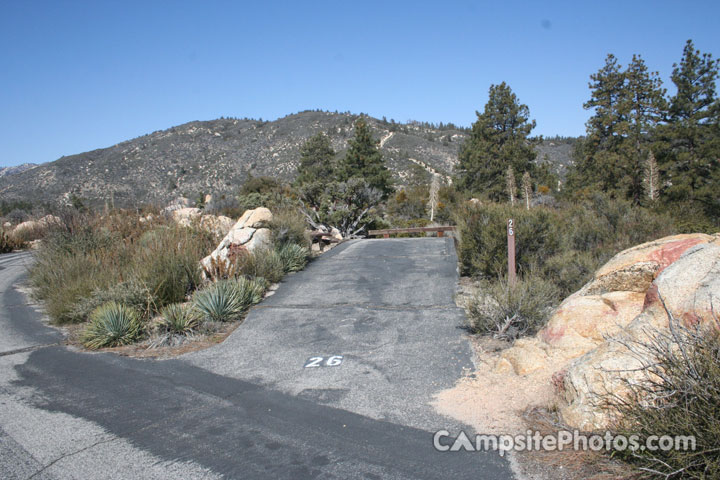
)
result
[(316, 160), (627, 106), (690, 155), (510, 185), (596, 157), (364, 160), (499, 139), (644, 102), (527, 189)]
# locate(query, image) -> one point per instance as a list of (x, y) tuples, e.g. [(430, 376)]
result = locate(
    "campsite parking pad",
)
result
[(385, 306), (250, 407)]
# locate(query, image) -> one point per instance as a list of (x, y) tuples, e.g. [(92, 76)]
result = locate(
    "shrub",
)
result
[(226, 300), (131, 294), (111, 324), (570, 270), (509, 312), (17, 216), (88, 255), (180, 319), (262, 263), (483, 237), (293, 257), (680, 395), (168, 263), (289, 226)]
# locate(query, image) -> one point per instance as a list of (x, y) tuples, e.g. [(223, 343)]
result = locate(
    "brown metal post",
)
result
[(512, 276)]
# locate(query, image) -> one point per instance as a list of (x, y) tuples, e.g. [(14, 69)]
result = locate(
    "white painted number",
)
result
[(511, 230), (333, 361), (313, 362)]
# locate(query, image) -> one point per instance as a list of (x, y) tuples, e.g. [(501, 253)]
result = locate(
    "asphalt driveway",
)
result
[(329, 378)]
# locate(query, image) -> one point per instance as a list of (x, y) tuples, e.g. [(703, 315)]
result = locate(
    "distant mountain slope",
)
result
[(218, 155), (7, 171)]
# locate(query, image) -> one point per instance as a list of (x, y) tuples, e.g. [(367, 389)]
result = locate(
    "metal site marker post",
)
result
[(511, 252)]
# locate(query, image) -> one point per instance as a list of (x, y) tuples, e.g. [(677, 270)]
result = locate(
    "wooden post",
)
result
[(512, 276)]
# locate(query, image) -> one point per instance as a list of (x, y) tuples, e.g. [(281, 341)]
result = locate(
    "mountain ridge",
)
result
[(216, 156)]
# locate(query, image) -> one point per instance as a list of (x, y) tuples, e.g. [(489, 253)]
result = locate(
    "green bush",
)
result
[(263, 263), (509, 312), (293, 257), (89, 255), (168, 263), (680, 396), (112, 324), (226, 300), (131, 294), (180, 319), (483, 237), (571, 269), (289, 226)]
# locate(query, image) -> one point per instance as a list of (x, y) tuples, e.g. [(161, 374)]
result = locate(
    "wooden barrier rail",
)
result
[(391, 231)]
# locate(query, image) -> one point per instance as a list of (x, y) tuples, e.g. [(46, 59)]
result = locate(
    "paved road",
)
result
[(249, 408)]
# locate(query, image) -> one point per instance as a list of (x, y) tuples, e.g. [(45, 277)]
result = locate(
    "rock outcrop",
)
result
[(584, 340), (249, 234), (185, 216), (32, 229)]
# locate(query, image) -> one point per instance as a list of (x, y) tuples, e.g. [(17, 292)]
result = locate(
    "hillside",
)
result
[(7, 171), (218, 155)]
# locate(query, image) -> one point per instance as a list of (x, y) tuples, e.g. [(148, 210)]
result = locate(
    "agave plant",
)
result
[(180, 319), (293, 257), (252, 290), (228, 299), (112, 324), (220, 302)]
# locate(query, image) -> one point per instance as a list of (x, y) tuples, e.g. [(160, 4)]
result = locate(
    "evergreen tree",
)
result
[(597, 163), (644, 102), (499, 139), (627, 106), (690, 142), (364, 160), (316, 160)]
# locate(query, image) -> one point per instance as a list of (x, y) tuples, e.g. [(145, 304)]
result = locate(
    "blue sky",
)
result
[(82, 75)]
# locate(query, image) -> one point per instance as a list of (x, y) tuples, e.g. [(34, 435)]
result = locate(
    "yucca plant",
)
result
[(112, 324), (220, 302), (180, 319), (252, 290), (228, 299), (293, 257)]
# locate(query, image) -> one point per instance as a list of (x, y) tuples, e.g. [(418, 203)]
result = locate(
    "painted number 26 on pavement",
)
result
[(333, 361)]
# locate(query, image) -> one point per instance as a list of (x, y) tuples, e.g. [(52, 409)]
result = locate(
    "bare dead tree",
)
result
[(527, 189), (511, 185), (652, 177), (434, 190)]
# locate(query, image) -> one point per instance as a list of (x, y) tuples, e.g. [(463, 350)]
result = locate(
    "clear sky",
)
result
[(75, 76)]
